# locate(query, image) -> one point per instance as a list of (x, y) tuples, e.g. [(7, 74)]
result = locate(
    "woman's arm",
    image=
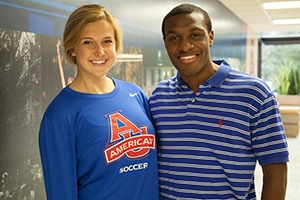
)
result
[(57, 152)]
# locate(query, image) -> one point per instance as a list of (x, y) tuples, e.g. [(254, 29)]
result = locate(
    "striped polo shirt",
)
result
[(209, 142)]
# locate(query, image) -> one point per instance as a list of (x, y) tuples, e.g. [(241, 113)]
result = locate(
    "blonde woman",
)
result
[(96, 138)]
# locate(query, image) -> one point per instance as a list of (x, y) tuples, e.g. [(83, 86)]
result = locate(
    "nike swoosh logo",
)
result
[(133, 94)]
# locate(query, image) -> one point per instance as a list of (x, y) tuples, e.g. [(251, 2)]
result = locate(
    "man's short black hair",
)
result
[(186, 9)]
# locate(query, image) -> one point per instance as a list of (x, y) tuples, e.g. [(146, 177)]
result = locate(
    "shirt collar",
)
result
[(219, 77)]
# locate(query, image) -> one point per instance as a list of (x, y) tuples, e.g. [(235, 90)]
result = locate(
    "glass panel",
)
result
[(277, 61)]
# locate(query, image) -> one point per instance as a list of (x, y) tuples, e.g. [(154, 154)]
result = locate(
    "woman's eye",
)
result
[(108, 41), (87, 42)]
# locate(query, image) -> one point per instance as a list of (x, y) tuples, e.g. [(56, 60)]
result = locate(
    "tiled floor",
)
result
[(293, 187)]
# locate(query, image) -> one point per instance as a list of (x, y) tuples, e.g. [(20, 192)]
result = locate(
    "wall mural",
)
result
[(33, 70), (21, 100)]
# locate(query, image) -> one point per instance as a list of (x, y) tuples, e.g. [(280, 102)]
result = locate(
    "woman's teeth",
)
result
[(98, 62)]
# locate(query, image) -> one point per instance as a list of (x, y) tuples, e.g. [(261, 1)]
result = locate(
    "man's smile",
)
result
[(187, 59)]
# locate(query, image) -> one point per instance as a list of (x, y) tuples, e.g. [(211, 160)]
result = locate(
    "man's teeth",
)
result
[(186, 57), (98, 62)]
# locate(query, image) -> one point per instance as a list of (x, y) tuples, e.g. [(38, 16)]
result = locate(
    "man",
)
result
[(214, 123)]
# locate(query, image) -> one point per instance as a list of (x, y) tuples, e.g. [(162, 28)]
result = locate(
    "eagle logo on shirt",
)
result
[(127, 138)]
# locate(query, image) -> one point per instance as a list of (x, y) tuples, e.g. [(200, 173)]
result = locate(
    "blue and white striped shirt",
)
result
[(209, 142)]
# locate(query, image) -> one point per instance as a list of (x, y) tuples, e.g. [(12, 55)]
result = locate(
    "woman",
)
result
[(96, 138)]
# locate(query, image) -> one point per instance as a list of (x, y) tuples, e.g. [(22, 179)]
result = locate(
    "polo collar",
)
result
[(219, 77)]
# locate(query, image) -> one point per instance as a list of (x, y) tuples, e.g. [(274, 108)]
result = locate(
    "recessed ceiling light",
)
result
[(282, 5), (286, 21)]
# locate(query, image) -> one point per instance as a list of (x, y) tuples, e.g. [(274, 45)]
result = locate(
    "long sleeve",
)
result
[(57, 152), (83, 151)]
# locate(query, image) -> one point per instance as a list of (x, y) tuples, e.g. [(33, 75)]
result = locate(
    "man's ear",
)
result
[(211, 38)]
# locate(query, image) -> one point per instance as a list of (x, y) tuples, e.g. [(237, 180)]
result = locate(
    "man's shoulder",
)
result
[(167, 84)]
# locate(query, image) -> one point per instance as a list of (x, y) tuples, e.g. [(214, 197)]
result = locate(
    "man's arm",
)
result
[(274, 181)]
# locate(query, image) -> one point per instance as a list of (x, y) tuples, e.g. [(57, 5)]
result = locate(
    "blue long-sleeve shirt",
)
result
[(99, 146)]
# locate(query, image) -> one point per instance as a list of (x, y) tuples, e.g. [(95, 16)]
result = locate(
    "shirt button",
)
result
[(193, 99)]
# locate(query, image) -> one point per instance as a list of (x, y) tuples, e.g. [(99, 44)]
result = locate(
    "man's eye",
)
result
[(173, 38), (195, 35)]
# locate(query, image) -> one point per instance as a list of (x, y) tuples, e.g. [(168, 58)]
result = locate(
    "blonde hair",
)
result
[(79, 19)]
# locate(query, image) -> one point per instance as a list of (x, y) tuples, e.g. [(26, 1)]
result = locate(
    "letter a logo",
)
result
[(127, 138)]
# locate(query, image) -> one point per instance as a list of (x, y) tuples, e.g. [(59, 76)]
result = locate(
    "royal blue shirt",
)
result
[(99, 146)]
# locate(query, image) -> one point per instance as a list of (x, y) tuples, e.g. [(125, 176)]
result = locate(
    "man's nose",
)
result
[(185, 45)]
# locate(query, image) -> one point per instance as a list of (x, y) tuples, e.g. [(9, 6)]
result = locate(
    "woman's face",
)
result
[(96, 50)]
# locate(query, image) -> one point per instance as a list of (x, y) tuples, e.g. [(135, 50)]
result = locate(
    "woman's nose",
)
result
[(99, 50)]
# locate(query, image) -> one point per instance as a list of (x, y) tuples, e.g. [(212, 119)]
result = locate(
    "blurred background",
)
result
[(251, 35)]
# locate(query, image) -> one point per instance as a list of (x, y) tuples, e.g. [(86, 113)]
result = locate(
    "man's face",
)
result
[(188, 43)]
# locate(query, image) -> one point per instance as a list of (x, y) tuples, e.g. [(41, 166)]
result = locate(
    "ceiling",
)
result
[(259, 19)]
